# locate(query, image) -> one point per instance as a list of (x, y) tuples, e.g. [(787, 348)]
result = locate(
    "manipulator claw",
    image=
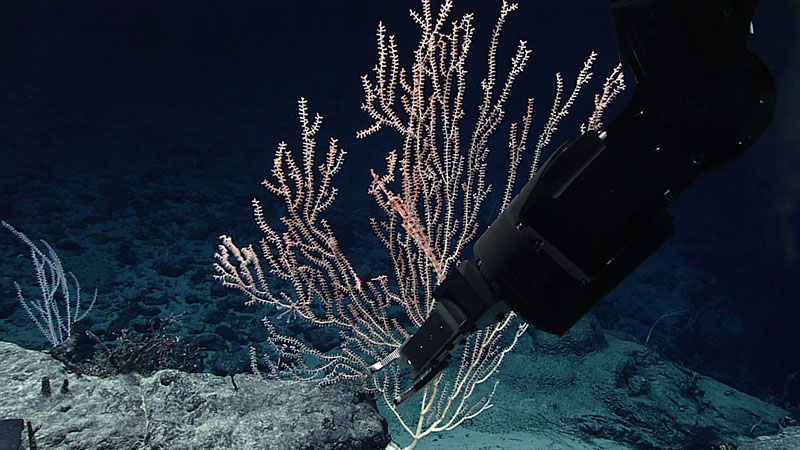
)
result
[(429, 349)]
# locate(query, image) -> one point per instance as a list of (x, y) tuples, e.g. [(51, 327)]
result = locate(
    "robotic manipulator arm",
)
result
[(597, 208)]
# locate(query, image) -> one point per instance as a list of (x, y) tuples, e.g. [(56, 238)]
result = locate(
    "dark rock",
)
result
[(210, 341), (227, 333), (583, 338)]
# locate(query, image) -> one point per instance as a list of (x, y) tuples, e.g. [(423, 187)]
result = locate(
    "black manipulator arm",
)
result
[(597, 208)]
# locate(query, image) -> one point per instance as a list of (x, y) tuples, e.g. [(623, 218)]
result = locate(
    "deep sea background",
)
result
[(134, 133)]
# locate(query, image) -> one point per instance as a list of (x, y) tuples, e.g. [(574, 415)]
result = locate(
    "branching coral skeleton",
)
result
[(438, 185)]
